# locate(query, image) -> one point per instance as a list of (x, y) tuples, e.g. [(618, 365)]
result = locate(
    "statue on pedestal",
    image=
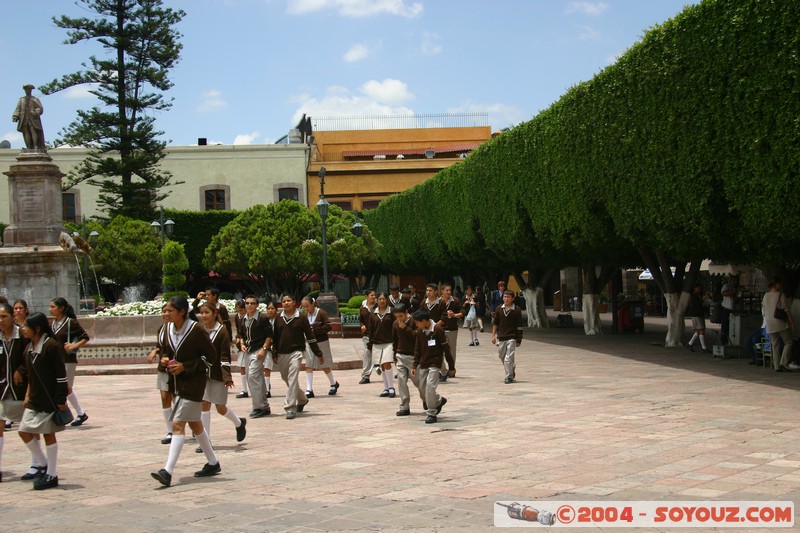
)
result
[(27, 116)]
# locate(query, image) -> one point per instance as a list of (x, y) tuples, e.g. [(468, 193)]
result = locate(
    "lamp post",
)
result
[(358, 230), (165, 228), (322, 205)]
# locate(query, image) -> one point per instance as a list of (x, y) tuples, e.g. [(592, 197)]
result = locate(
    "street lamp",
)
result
[(165, 228), (322, 205), (358, 230)]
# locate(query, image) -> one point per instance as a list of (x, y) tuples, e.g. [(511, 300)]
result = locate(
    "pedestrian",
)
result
[(409, 300), (292, 334), (430, 347), (256, 340), (272, 314), (380, 327), (451, 311), (364, 313), (321, 325), (779, 324), (20, 312), (219, 378), (496, 297), (431, 302), (480, 303), (395, 297), (244, 357), (729, 291), (188, 354), (404, 331), (47, 391), (13, 382), (211, 295), (696, 310), (164, 382), (68, 331), (507, 334), (470, 312)]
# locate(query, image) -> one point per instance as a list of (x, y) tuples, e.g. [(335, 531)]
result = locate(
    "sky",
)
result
[(249, 69)]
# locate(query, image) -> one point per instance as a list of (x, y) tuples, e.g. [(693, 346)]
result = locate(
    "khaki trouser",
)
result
[(428, 381), (452, 341), (785, 336), (506, 350), (404, 365), (289, 367), (255, 381), (366, 359)]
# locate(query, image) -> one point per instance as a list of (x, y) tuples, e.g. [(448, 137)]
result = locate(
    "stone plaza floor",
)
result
[(610, 417)]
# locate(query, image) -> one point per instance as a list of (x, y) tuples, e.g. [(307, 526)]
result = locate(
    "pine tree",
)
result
[(124, 145)]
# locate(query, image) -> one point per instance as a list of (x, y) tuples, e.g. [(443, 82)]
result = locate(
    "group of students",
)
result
[(38, 360)]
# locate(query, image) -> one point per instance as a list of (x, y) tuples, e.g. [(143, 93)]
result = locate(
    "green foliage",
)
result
[(169, 294), (175, 264), (195, 229), (125, 149), (356, 301), (127, 252), (684, 148)]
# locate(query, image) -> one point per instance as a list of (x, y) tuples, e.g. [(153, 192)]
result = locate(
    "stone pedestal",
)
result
[(34, 192), (37, 274)]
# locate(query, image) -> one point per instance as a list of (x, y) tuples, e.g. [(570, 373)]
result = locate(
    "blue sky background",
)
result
[(250, 68)]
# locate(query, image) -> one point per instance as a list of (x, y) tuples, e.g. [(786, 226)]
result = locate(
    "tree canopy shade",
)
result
[(127, 252), (685, 148), (125, 151)]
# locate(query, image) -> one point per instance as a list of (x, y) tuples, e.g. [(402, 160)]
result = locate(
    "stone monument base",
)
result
[(37, 274)]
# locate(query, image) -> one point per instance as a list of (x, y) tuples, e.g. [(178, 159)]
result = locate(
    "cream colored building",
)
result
[(215, 177)]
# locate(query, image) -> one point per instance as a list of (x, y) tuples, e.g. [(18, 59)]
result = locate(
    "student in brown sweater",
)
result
[(292, 332), (430, 347), (450, 312), (321, 325), (404, 334), (69, 332), (507, 334), (380, 336), (13, 383), (47, 386), (188, 354), (164, 382), (367, 306)]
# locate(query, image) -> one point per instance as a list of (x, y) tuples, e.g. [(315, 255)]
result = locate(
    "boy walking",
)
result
[(507, 334), (430, 347), (404, 334)]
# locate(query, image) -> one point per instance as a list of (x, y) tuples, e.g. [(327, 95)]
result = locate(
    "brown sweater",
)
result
[(12, 359), (434, 309), (509, 323), (364, 316), (403, 338), (47, 376), (293, 334), (70, 331), (449, 323), (254, 333), (431, 356), (380, 327), (321, 325), (221, 369), (197, 354)]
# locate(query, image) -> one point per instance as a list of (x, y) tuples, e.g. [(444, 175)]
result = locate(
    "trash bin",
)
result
[(630, 317), (715, 313)]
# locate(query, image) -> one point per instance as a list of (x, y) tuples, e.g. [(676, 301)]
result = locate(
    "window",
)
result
[(369, 204), (288, 193), (69, 206), (347, 206), (215, 199)]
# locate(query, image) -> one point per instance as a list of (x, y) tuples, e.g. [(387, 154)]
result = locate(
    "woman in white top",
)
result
[(777, 328)]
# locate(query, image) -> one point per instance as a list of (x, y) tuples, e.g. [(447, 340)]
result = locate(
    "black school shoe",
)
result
[(243, 394), (431, 419), (208, 470), (439, 409), (241, 431), (45, 482), (163, 477), (403, 412), (40, 471), (334, 389), (167, 439), (363, 381), (80, 420)]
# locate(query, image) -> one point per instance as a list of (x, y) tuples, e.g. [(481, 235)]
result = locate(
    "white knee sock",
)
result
[(330, 378), (266, 382), (205, 444), (389, 378), (73, 400), (309, 381), (52, 459), (694, 338), (703, 341), (205, 418), (175, 448), (244, 382), (167, 414), (37, 455), (386, 382), (230, 415)]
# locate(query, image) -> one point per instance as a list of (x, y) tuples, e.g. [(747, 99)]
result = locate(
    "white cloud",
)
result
[(388, 91), (14, 137), (430, 44), (246, 138), (500, 115), (588, 34), (212, 101), (593, 9), (79, 92), (340, 102), (356, 53), (357, 8)]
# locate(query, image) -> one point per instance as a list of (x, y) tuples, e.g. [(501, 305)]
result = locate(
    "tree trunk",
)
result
[(537, 315), (676, 307), (591, 315)]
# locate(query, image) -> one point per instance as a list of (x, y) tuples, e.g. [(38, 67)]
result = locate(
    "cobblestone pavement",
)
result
[(590, 418)]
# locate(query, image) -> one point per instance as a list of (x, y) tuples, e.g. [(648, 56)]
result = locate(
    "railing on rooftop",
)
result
[(398, 122)]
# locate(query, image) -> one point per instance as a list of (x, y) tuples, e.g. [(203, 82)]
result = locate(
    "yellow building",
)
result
[(370, 158)]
